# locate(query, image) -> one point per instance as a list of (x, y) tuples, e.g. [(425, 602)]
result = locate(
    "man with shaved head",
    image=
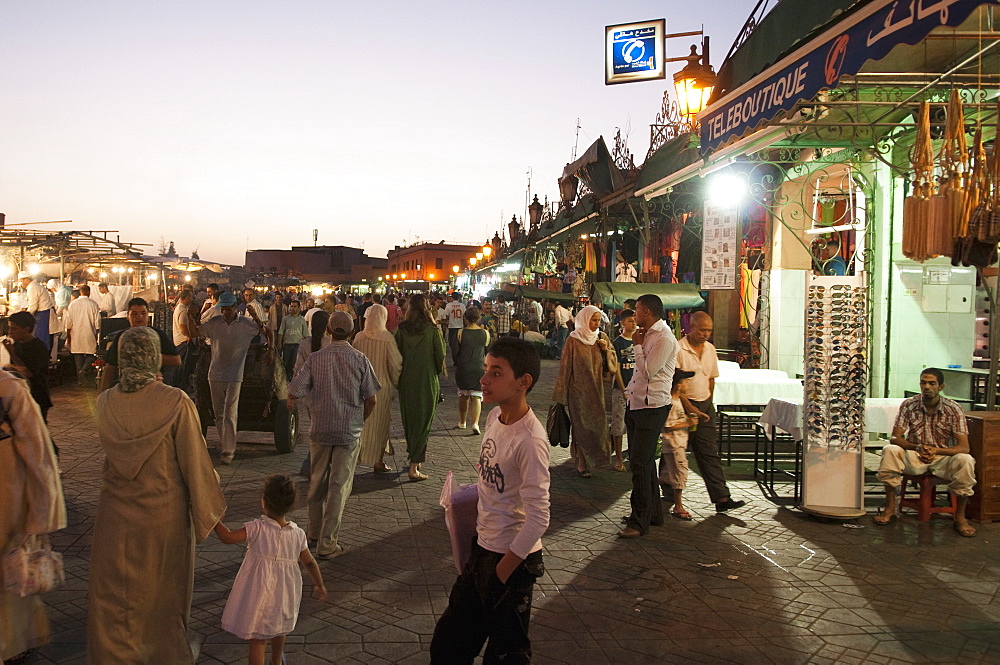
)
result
[(696, 354)]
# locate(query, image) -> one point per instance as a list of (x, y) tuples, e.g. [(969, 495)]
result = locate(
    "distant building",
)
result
[(431, 262), (334, 264)]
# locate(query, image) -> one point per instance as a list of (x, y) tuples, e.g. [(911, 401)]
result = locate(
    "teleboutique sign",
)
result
[(867, 35)]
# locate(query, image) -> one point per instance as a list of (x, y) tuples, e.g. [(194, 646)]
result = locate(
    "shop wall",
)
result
[(921, 338), (787, 320), (929, 314)]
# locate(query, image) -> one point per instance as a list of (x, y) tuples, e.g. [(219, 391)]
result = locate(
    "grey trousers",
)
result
[(331, 480), (704, 443)]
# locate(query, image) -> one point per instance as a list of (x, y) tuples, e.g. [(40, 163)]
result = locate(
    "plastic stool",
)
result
[(924, 503)]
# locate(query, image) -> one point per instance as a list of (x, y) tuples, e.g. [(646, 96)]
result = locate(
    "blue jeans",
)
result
[(559, 340)]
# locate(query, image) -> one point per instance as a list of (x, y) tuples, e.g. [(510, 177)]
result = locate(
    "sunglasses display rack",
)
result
[(836, 367)]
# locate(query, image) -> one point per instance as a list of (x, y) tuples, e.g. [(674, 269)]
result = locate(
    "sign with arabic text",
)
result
[(635, 52), (868, 34)]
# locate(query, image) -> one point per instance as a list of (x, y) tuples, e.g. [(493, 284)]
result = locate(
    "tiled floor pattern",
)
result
[(763, 585)]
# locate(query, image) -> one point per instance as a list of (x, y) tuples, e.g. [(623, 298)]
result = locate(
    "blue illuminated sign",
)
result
[(634, 52)]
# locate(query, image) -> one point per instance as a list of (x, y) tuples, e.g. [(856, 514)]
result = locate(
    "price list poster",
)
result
[(719, 247)]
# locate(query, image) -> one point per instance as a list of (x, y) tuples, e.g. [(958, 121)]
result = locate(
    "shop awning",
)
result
[(672, 156), (674, 296), (867, 34), (597, 169), (539, 294)]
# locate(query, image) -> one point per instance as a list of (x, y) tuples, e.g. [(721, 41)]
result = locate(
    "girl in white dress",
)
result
[(264, 602)]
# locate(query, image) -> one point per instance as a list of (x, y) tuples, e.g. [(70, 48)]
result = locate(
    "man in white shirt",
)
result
[(250, 299), (696, 354), (83, 323), (182, 339), (649, 401), (230, 335), (38, 302), (455, 312), (105, 300), (492, 597), (562, 317)]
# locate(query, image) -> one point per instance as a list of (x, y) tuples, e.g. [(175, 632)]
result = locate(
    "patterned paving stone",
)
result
[(806, 591)]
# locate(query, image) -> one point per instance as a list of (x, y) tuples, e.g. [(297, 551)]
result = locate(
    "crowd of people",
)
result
[(345, 361)]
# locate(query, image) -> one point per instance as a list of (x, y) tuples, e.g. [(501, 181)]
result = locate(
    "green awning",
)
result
[(786, 25), (674, 296), (539, 294), (670, 157)]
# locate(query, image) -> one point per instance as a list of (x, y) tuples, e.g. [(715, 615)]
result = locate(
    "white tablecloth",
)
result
[(786, 415), (755, 386)]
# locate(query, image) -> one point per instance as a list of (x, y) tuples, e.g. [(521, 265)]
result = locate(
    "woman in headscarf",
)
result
[(421, 345), (159, 495), (587, 356), (379, 346), (31, 502)]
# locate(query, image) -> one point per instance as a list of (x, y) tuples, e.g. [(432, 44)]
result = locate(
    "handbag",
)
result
[(32, 568), (557, 426)]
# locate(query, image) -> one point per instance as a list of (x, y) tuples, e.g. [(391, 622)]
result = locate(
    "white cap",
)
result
[(24, 274), (53, 283)]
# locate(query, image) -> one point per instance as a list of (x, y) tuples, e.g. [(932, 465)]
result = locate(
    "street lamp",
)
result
[(472, 261), (694, 83), (455, 269), (487, 251), (535, 212), (479, 256)]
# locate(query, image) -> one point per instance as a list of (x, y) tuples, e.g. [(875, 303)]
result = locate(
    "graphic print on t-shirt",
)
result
[(491, 474)]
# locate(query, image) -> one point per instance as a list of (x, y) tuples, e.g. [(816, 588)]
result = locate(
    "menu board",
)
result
[(720, 247)]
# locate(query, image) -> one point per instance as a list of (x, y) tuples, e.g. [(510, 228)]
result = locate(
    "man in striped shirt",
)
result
[(341, 387)]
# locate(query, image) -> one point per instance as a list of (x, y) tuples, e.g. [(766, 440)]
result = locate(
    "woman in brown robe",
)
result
[(587, 355), (159, 495), (31, 502)]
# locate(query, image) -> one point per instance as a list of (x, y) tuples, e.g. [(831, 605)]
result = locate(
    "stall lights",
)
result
[(479, 256), (455, 269), (727, 189), (104, 275), (430, 276), (5, 271), (187, 278), (395, 276), (403, 275), (34, 268), (487, 251)]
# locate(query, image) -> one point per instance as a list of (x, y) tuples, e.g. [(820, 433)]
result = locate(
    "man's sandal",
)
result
[(965, 530), (892, 518)]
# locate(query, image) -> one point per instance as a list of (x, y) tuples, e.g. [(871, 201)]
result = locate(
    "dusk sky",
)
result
[(227, 125)]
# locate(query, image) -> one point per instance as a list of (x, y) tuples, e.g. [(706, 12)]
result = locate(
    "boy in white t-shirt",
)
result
[(491, 600)]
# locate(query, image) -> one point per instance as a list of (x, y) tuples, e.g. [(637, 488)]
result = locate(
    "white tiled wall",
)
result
[(788, 297)]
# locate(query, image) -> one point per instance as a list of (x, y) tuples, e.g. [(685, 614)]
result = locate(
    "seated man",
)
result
[(929, 435)]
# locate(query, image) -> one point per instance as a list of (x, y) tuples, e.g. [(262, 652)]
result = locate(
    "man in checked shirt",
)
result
[(929, 435)]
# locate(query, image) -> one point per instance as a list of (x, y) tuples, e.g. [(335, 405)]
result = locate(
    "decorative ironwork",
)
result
[(669, 124), (622, 156), (751, 24)]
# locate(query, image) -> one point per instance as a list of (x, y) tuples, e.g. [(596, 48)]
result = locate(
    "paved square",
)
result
[(804, 591)]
